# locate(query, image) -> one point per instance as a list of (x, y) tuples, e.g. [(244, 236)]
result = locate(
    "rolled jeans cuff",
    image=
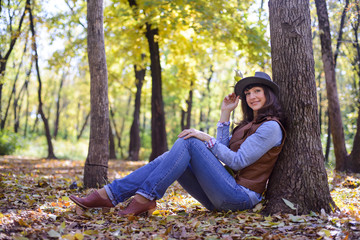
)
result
[(145, 195), (110, 195)]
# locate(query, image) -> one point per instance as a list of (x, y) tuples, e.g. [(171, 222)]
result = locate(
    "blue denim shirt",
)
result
[(267, 136)]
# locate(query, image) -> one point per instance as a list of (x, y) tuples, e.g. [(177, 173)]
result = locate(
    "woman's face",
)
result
[(255, 98)]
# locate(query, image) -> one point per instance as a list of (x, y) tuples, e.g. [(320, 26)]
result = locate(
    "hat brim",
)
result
[(243, 83)]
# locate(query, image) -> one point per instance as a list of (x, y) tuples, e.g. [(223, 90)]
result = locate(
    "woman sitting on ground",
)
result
[(196, 159)]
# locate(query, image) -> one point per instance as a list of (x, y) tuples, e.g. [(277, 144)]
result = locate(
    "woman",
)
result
[(196, 158)]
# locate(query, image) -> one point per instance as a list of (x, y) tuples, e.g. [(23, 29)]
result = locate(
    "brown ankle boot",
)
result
[(94, 200), (135, 208)]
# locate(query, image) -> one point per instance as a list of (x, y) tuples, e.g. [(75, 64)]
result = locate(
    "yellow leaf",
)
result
[(65, 198), (156, 212), (68, 237), (79, 236), (100, 222)]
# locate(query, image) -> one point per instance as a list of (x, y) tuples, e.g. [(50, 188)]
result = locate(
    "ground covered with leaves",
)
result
[(34, 204)]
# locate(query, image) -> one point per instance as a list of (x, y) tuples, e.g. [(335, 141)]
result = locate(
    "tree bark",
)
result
[(96, 165), (299, 175), (51, 154), (158, 131), (134, 145), (336, 127)]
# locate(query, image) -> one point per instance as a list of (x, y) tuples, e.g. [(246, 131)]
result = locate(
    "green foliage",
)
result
[(64, 149), (194, 37), (9, 142)]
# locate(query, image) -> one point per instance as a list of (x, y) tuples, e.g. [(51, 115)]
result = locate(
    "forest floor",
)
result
[(34, 204)]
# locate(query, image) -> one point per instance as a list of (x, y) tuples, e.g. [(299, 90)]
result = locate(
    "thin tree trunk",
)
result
[(182, 120), (328, 141), (3, 120), (336, 54), (3, 59), (18, 105), (158, 131), (57, 116), (189, 106), (83, 126), (209, 99), (320, 103), (122, 127), (134, 145), (27, 108), (112, 152), (96, 165), (340, 34), (34, 127), (44, 119), (299, 175), (337, 130), (117, 134)]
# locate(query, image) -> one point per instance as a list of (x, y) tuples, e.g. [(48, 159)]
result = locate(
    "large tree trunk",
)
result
[(134, 145), (336, 127), (299, 175), (158, 131), (96, 165), (41, 112)]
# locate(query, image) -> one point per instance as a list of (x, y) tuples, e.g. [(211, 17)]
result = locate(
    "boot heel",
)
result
[(150, 212)]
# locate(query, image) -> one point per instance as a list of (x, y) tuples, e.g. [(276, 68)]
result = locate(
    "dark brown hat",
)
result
[(259, 78)]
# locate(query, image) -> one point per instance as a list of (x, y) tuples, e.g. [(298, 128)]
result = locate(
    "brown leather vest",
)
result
[(255, 176)]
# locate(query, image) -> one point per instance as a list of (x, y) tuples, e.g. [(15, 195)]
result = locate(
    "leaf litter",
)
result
[(35, 204)]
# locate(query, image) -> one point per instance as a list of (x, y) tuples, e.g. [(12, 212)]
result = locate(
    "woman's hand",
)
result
[(228, 105), (230, 102), (188, 133)]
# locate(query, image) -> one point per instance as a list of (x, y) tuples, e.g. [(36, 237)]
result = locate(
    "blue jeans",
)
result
[(197, 170)]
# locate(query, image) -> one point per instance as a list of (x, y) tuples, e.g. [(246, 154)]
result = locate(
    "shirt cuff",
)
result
[(222, 124), (211, 143)]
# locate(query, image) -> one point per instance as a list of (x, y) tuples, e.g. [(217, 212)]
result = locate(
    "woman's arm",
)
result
[(229, 103), (267, 136)]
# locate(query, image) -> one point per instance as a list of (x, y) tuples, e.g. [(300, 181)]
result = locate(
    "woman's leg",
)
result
[(121, 189), (213, 183), (167, 171), (190, 183)]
